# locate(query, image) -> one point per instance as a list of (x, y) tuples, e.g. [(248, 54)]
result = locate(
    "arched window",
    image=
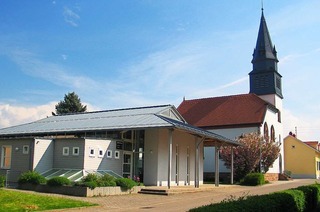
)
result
[(266, 132), (272, 134)]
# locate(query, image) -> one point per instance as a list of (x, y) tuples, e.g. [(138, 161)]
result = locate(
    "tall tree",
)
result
[(247, 156), (70, 104)]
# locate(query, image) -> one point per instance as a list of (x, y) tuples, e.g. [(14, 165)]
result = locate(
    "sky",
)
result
[(130, 53)]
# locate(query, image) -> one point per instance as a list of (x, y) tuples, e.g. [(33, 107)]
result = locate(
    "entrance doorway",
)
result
[(126, 166)]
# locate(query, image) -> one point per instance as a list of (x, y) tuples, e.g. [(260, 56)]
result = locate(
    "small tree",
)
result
[(70, 104), (247, 156)]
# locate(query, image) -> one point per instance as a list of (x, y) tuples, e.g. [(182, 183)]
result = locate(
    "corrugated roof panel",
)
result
[(104, 120), (133, 118)]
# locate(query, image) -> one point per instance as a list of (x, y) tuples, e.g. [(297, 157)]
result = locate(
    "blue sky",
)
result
[(122, 53)]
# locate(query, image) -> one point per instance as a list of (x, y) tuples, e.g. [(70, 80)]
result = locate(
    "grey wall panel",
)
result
[(69, 161)]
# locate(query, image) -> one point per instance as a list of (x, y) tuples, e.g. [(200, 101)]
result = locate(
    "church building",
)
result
[(258, 111)]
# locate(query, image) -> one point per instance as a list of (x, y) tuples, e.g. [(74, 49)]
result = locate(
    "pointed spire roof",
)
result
[(264, 48)]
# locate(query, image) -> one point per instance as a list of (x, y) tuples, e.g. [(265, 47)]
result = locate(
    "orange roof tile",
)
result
[(243, 109)]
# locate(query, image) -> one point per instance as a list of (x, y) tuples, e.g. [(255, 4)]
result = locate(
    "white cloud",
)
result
[(52, 72), (11, 115), (70, 17)]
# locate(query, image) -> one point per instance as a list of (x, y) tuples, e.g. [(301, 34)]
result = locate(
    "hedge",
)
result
[(304, 198)]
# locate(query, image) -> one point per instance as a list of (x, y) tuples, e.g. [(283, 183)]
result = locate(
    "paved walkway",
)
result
[(184, 201)]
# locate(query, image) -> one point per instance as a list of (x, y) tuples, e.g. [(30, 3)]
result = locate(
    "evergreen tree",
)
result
[(70, 104)]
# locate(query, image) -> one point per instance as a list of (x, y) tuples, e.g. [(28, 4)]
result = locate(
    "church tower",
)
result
[(265, 81)]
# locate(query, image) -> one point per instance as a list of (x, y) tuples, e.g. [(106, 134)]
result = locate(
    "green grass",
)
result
[(21, 201)]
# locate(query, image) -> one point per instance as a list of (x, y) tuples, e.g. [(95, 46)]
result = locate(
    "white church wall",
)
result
[(271, 119)]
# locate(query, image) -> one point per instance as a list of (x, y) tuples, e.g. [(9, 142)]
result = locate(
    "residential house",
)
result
[(154, 144), (259, 111), (301, 159)]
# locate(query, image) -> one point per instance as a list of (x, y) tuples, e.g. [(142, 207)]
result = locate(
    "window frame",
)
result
[(117, 154), (102, 153), (73, 151), (109, 153), (66, 153), (25, 149), (93, 154)]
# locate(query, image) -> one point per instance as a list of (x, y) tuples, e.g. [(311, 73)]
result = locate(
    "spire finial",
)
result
[(262, 5)]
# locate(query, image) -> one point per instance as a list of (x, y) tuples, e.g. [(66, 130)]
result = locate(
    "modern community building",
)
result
[(258, 111), (152, 144), (160, 145)]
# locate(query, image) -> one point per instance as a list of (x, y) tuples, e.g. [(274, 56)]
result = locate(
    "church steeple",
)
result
[(264, 78)]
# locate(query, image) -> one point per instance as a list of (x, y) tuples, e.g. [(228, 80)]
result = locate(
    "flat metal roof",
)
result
[(130, 118)]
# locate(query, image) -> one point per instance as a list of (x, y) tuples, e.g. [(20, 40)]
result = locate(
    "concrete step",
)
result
[(153, 191)]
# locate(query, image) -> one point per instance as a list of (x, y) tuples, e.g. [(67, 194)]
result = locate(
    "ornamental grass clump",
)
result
[(32, 177)]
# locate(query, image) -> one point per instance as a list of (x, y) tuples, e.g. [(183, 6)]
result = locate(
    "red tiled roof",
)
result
[(243, 109), (313, 144)]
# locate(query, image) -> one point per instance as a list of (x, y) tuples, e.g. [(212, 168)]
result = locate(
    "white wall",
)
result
[(43, 155), (150, 171), (272, 119), (93, 162), (157, 153)]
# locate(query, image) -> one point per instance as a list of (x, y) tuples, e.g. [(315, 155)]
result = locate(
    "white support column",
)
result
[(196, 164), (170, 157), (232, 165), (216, 180)]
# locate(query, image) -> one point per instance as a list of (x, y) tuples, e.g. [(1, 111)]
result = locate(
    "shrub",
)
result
[(2, 180), (32, 177), (253, 179), (92, 181), (106, 180), (90, 177), (58, 181), (91, 184), (125, 183)]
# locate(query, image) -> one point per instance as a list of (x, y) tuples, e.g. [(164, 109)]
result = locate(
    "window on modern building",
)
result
[(272, 134), (109, 154), (65, 151), (91, 152), (116, 154), (101, 153), (266, 132), (25, 149), (75, 151), (6, 157)]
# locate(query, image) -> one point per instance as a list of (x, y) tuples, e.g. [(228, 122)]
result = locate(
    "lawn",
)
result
[(21, 201)]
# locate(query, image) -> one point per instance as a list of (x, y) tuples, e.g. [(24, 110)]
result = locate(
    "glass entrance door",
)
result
[(126, 167)]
